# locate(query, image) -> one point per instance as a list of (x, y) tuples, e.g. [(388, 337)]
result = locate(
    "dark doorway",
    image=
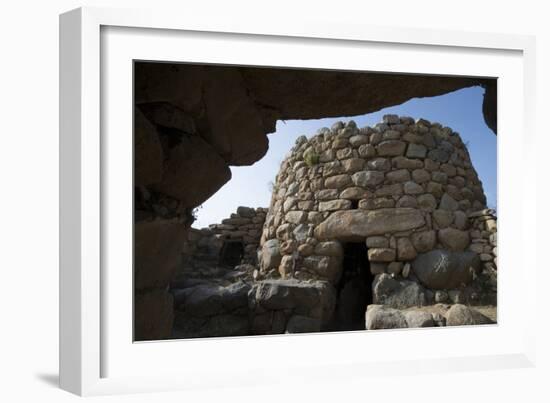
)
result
[(231, 253), (354, 289)]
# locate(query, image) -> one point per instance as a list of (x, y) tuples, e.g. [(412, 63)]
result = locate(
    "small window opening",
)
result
[(231, 253)]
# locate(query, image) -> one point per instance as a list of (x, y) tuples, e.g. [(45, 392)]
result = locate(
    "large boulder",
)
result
[(391, 148), (418, 318), (193, 171), (218, 101), (158, 247), (248, 212), (384, 317), (329, 248), (316, 299), (442, 269), (397, 293), (356, 225), (206, 300), (453, 239), (326, 267), (235, 126), (270, 257), (368, 178), (461, 315), (423, 241)]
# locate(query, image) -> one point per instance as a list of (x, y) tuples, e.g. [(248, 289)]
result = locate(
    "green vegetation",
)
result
[(311, 158)]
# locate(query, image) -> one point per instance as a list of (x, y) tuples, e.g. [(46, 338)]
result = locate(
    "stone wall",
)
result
[(241, 308), (203, 248), (483, 232), (405, 188)]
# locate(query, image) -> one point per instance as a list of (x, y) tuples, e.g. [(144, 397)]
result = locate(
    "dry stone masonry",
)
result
[(221, 246), (371, 228), (404, 189)]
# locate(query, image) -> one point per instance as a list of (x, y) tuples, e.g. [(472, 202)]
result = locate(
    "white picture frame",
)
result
[(96, 354)]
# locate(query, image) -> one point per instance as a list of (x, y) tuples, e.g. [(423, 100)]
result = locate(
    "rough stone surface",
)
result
[(337, 181), (416, 318), (290, 294), (210, 171), (368, 178), (357, 224), (206, 300), (405, 249), (381, 254), (158, 245), (391, 148), (423, 241), (148, 151), (377, 242), (354, 193), (397, 293), (441, 269), (330, 248), (271, 255), (443, 218), (448, 203), (412, 188), (416, 151), (461, 315), (334, 205), (383, 317), (453, 239), (427, 202)]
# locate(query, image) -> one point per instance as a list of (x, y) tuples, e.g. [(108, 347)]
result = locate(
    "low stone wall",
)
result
[(204, 247), (294, 306), (484, 242), (245, 308)]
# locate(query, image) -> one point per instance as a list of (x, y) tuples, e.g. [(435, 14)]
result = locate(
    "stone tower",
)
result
[(398, 205)]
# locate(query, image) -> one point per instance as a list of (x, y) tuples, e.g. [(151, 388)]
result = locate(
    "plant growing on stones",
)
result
[(311, 158)]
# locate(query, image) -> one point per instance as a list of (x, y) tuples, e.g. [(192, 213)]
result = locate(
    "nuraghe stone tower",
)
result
[(383, 227), (392, 215)]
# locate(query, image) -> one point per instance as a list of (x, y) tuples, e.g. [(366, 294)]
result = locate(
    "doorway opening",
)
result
[(354, 288), (231, 253)]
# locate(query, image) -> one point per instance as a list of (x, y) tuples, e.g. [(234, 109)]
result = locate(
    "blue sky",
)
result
[(460, 110)]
